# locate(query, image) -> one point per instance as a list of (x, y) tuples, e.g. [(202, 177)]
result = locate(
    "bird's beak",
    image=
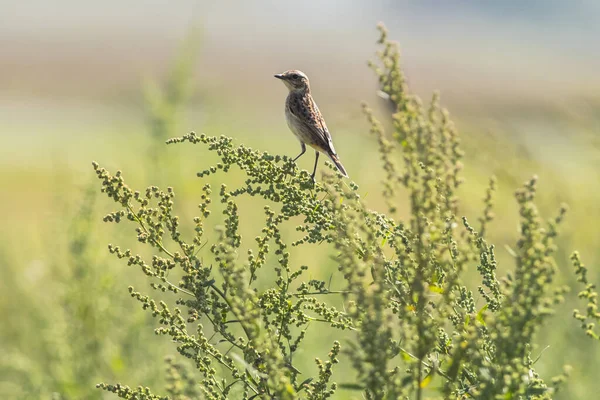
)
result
[(279, 76)]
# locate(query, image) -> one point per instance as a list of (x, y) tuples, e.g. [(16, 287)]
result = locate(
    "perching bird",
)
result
[(305, 120)]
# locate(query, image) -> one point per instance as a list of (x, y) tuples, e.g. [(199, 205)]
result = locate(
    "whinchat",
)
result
[(305, 120)]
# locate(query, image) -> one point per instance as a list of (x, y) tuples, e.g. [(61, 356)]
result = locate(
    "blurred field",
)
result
[(520, 81)]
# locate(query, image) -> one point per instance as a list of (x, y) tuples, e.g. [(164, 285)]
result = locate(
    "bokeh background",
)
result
[(109, 81)]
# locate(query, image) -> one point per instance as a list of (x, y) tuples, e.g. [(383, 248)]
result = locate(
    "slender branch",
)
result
[(212, 285), (219, 360), (220, 293), (327, 292), (161, 247), (438, 370)]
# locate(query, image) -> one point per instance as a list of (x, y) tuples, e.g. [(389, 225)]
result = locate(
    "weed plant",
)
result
[(409, 325)]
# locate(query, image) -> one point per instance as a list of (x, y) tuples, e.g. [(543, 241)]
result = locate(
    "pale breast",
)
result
[(296, 125), (302, 123)]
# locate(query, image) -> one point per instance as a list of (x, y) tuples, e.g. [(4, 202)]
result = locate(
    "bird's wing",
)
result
[(307, 113), (321, 123)]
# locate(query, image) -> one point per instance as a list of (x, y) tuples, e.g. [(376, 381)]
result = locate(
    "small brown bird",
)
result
[(305, 120)]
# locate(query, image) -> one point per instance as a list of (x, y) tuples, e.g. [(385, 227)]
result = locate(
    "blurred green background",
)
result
[(109, 81)]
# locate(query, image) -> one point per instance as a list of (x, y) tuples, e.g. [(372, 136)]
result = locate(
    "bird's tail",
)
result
[(338, 164)]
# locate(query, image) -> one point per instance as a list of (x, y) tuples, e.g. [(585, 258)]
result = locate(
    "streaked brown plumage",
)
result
[(305, 120)]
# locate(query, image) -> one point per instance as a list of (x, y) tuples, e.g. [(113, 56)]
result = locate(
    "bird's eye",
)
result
[(295, 76)]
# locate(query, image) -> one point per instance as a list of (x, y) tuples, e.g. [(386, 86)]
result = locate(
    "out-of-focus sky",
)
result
[(74, 48), (77, 67)]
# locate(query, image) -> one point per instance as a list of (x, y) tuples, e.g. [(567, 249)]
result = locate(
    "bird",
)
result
[(305, 120)]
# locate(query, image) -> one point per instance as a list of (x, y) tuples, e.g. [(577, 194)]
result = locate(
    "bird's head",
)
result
[(296, 81)]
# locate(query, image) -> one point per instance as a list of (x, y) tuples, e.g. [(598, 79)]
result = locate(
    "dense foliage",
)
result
[(409, 324)]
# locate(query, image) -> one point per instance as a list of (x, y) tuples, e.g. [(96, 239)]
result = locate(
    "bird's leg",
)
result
[(316, 162), (302, 152)]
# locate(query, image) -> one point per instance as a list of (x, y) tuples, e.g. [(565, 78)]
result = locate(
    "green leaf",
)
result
[(351, 386), (425, 381), (436, 289), (302, 386), (479, 316)]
